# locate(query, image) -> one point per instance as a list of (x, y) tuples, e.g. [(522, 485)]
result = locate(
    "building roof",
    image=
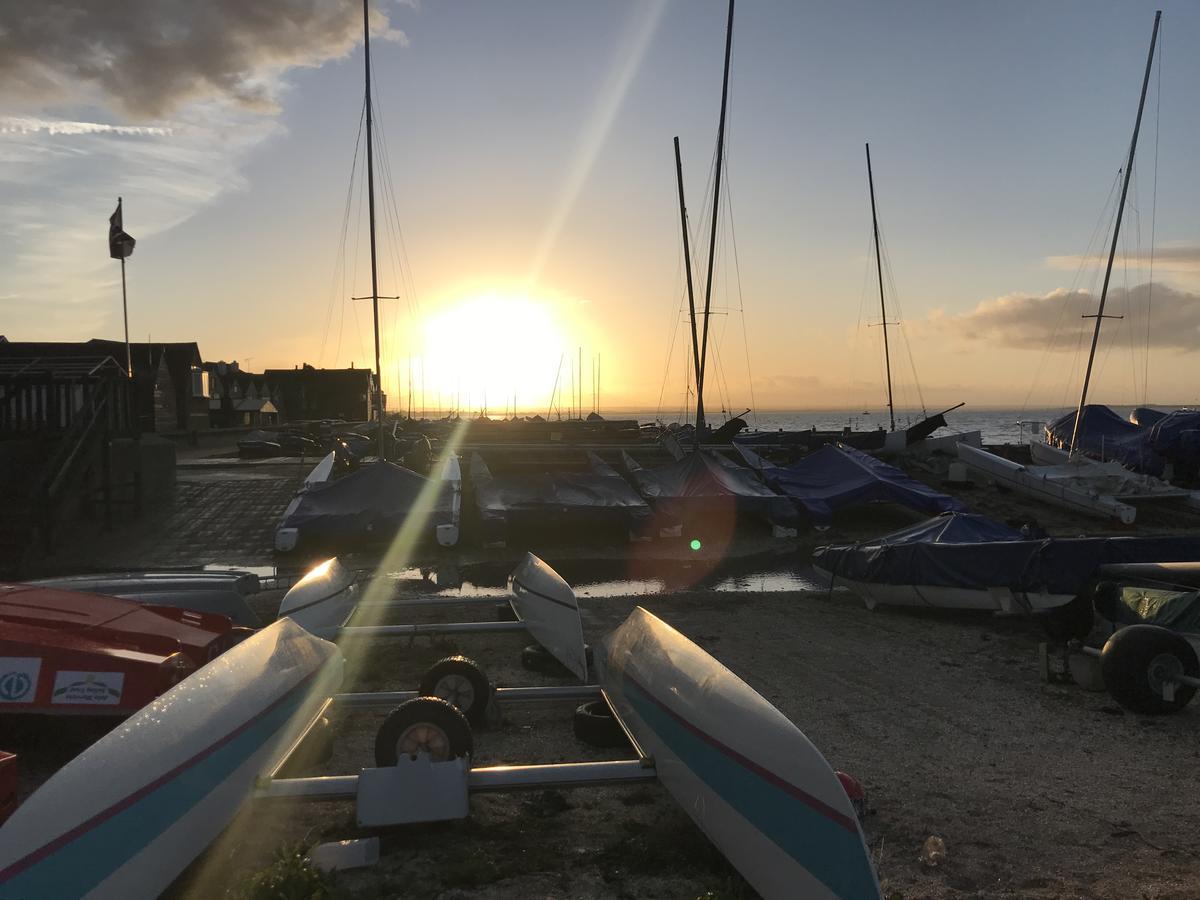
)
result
[(180, 356), (262, 406)]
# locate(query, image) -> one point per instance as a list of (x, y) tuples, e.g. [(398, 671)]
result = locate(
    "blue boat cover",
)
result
[(1053, 565), (954, 528), (367, 505), (1176, 437), (1145, 416), (1105, 435), (837, 477), (703, 484)]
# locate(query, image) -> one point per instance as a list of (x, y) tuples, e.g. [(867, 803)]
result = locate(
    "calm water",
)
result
[(998, 426)]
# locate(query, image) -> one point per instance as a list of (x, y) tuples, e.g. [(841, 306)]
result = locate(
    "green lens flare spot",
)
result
[(695, 545)]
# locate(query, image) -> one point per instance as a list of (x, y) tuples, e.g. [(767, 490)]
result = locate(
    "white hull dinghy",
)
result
[(323, 600), (746, 775), (1112, 478), (547, 606), (1060, 486), (126, 816), (285, 537)]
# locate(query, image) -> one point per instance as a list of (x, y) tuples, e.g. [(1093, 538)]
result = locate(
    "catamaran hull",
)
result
[(1025, 480), (745, 774), (933, 596), (547, 606), (126, 816)]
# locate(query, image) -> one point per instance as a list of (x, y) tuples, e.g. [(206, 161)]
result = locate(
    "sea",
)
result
[(997, 426)]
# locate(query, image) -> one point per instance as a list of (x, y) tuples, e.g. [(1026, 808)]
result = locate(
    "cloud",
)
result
[(1054, 321), (788, 383), (1177, 257), (147, 58), (25, 125)]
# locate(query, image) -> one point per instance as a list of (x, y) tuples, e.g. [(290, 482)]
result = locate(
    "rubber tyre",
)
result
[(461, 683), (536, 658), (430, 724), (1136, 658), (595, 724)]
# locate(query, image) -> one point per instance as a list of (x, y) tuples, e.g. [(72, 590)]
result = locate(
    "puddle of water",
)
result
[(489, 580), (260, 571)]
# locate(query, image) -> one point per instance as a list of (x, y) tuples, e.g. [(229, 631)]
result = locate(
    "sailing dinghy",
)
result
[(967, 561), (126, 816), (746, 775)]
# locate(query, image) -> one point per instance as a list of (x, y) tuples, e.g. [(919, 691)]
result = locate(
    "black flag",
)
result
[(120, 245)]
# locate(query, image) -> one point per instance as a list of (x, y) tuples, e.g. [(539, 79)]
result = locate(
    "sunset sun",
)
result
[(487, 350)]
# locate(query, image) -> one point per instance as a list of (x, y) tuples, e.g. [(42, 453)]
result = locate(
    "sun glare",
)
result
[(491, 351)]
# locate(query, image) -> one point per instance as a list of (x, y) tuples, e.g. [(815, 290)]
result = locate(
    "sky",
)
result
[(527, 204)]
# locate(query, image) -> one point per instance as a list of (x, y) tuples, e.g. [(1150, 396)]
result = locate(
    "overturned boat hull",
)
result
[(127, 815), (746, 775)]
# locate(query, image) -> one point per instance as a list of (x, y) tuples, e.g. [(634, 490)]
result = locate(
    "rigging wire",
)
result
[(856, 389), (741, 304), (1153, 224), (339, 266), (1074, 285)]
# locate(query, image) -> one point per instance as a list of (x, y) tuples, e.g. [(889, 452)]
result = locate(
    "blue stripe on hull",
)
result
[(831, 853), (87, 861)]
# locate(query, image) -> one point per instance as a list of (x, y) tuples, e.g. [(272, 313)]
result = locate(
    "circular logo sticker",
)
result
[(14, 686)]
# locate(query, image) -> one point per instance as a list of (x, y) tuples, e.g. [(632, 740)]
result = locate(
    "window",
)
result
[(199, 382)]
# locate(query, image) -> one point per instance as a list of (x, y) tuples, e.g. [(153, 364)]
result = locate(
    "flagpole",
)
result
[(125, 312)]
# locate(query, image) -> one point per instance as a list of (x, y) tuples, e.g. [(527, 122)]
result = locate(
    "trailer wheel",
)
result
[(1138, 660), (537, 658), (461, 683), (423, 725), (596, 725)]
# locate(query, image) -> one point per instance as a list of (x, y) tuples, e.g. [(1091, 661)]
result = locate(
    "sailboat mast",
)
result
[(1112, 252), (687, 259), (378, 398), (712, 240), (887, 355)]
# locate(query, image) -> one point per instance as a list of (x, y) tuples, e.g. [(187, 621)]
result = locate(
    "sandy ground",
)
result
[(1037, 790)]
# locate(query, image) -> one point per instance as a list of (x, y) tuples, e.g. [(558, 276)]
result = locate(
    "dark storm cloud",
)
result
[(146, 57), (1053, 320)]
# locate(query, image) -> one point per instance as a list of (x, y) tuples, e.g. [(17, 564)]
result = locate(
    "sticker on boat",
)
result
[(18, 678), (88, 688)]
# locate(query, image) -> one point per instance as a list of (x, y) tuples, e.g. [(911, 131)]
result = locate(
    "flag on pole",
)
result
[(120, 245)]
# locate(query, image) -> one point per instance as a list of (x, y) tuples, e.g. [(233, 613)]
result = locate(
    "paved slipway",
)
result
[(1037, 790)]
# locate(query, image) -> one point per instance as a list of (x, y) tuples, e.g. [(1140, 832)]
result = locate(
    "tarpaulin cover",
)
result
[(837, 477), (1105, 435), (598, 496), (1177, 610), (369, 504), (702, 482), (1176, 436), (954, 528), (1053, 565), (1145, 416)]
